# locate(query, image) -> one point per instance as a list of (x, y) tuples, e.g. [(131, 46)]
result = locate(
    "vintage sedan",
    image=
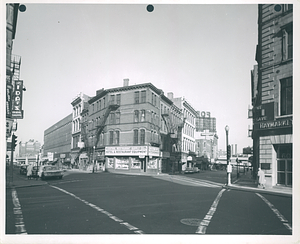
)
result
[(188, 170), (50, 171)]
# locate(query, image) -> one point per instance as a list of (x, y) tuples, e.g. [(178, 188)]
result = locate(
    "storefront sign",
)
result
[(276, 124), (153, 151), (126, 151)]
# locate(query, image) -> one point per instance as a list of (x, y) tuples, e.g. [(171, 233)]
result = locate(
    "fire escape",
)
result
[(174, 141), (88, 147)]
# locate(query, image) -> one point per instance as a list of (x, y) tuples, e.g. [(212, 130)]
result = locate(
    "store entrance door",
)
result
[(284, 164)]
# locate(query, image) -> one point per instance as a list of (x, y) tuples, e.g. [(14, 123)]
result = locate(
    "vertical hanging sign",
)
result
[(9, 88), (17, 112)]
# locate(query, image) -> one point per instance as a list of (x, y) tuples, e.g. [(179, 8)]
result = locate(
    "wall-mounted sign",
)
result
[(264, 112), (275, 124), (153, 151), (17, 112), (128, 151), (9, 88)]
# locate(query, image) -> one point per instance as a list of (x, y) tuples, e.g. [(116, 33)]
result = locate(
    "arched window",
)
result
[(117, 137), (111, 138)]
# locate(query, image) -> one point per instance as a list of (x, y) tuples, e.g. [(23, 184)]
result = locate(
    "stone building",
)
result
[(272, 94)]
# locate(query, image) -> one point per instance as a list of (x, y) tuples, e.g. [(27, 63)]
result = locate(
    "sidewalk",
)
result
[(246, 183)]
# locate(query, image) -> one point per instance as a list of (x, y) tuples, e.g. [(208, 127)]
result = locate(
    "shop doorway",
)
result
[(284, 164), (143, 165)]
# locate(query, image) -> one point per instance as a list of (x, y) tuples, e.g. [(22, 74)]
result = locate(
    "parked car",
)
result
[(196, 170), (50, 171), (23, 169), (188, 170)]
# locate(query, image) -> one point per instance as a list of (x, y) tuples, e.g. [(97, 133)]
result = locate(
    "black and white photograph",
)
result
[(143, 122)]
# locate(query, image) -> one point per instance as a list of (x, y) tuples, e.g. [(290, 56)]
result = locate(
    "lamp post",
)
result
[(229, 167)]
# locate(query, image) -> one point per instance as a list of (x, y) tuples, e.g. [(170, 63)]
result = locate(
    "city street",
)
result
[(106, 203)]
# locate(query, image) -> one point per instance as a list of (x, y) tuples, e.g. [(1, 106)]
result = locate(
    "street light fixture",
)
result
[(229, 167)]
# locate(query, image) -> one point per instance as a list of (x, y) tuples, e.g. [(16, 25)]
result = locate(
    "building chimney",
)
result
[(125, 82), (170, 95)]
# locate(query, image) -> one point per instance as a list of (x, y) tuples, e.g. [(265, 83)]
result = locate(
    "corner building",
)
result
[(130, 139), (272, 95)]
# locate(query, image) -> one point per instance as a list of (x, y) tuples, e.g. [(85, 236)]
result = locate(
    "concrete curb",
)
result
[(257, 190)]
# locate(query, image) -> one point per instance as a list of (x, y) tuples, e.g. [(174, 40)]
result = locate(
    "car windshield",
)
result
[(50, 168)]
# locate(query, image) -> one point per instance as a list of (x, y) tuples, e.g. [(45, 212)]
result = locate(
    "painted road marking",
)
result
[(19, 222), (205, 222), (190, 181), (111, 216), (284, 221)]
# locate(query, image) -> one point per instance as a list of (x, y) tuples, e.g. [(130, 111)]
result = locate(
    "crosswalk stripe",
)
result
[(190, 181)]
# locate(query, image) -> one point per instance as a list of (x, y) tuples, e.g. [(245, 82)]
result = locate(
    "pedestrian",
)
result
[(29, 172), (261, 178)]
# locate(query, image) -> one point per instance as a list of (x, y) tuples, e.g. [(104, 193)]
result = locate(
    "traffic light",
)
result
[(228, 152), (13, 142)]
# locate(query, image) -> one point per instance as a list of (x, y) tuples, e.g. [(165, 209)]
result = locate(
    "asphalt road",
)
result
[(107, 203)]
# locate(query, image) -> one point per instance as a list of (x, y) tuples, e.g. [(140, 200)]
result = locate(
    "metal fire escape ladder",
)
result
[(111, 107), (171, 129), (85, 139)]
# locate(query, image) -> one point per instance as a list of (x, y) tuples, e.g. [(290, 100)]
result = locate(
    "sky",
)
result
[(202, 52)]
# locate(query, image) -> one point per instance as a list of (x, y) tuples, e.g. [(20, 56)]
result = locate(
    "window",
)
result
[(287, 43), (119, 99), (117, 117), (136, 116), (135, 136), (143, 96), (111, 138), (142, 141), (100, 104), (117, 137), (104, 102), (112, 99), (112, 118), (143, 115), (137, 97), (286, 96)]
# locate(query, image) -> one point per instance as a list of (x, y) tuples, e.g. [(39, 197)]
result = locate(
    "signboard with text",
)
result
[(275, 124), (17, 112), (128, 151)]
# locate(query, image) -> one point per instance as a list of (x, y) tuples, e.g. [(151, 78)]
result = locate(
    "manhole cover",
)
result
[(192, 222)]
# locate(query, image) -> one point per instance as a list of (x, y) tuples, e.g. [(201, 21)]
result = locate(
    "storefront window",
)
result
[(284, 164), (122, 163), (135, 163), (152, 164)]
